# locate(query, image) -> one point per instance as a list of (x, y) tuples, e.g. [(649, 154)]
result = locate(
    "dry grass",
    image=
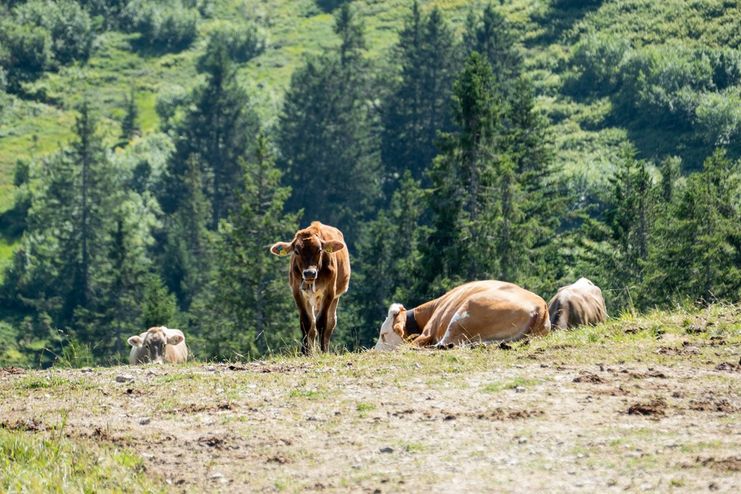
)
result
[(649, 403)]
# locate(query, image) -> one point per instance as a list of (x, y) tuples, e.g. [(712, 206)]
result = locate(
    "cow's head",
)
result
[(153, 344), (307, 249), (392, 329)]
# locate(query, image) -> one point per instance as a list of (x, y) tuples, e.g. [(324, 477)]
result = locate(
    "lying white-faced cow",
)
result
[(158, 344), (318, 276), (577, 304), (477, 311)]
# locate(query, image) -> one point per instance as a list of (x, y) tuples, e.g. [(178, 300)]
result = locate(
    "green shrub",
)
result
[(664, 83), (165, 26), (68, 24), (726, 63), (25, 52), (242, 44), (597, 59), (718, 117)]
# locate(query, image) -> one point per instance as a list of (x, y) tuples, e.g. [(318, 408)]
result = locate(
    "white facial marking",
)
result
[(388, 339)]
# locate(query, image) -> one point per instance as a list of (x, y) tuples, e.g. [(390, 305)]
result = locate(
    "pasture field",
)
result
[(638, 404)]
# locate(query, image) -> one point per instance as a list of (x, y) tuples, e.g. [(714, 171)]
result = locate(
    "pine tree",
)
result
[(129, 124), (496, 203), (541, 198), (327, 138), (122, 279), (217, 133), (187, 258), (623, 243), (95, 191), (390, 246), (203, 180), (669, 173), (352, 38), (243, 312), (85, 251), (492, 36), (696, 249), (159, 306), (419, 105), (463, 182)]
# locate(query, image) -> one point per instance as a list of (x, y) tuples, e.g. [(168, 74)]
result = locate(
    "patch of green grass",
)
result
[(701, 446), (168, 405), (180, 376), (509, 384), (363, 408), (414, 447), (309, 394), (41, 382), (50, 463)]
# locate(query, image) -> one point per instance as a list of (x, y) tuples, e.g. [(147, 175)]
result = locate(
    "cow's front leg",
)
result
[(308, 333), (422, 340), (329, 322), (321, 327)]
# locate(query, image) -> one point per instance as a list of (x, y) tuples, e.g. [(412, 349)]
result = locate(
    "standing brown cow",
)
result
[(577, 304), (319, 275)]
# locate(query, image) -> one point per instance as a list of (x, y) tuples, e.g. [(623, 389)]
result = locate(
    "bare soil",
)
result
[(464, 420)]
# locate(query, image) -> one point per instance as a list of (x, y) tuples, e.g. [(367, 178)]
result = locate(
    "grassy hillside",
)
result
[(664, 76), (636, 404), (549, 31)]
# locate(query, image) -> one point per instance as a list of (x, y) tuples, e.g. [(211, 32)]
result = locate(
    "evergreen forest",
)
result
[(151, 151)]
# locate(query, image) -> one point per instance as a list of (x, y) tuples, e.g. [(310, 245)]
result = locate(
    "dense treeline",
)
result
[(435, 163)]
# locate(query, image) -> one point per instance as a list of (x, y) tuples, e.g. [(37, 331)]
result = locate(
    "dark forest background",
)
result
[(442, 159)]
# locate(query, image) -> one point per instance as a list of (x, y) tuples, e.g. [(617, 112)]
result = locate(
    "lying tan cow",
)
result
[(577, 304), (158, 344), (477, 311), (318, 276)]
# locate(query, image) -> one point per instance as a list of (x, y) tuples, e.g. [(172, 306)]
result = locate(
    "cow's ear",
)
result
[(135, 341), (400, 322), (175, 339), (332, 245), (281, 249)]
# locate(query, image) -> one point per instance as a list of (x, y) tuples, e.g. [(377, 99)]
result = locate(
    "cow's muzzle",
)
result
[(309, 275)]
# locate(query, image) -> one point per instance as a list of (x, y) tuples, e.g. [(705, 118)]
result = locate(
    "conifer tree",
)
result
[(203, 180), (542, 196), (159, 306), (243, 312), (187, 257), (419, 105), (389, 245), (216, 133), (129, 124), (463, 180), (492, 36), (86, 247), (95, 190), (327, 138), (496, 203), (622, 235), (696, 249)]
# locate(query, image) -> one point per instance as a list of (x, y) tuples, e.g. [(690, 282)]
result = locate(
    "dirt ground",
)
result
[(656, 414)]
